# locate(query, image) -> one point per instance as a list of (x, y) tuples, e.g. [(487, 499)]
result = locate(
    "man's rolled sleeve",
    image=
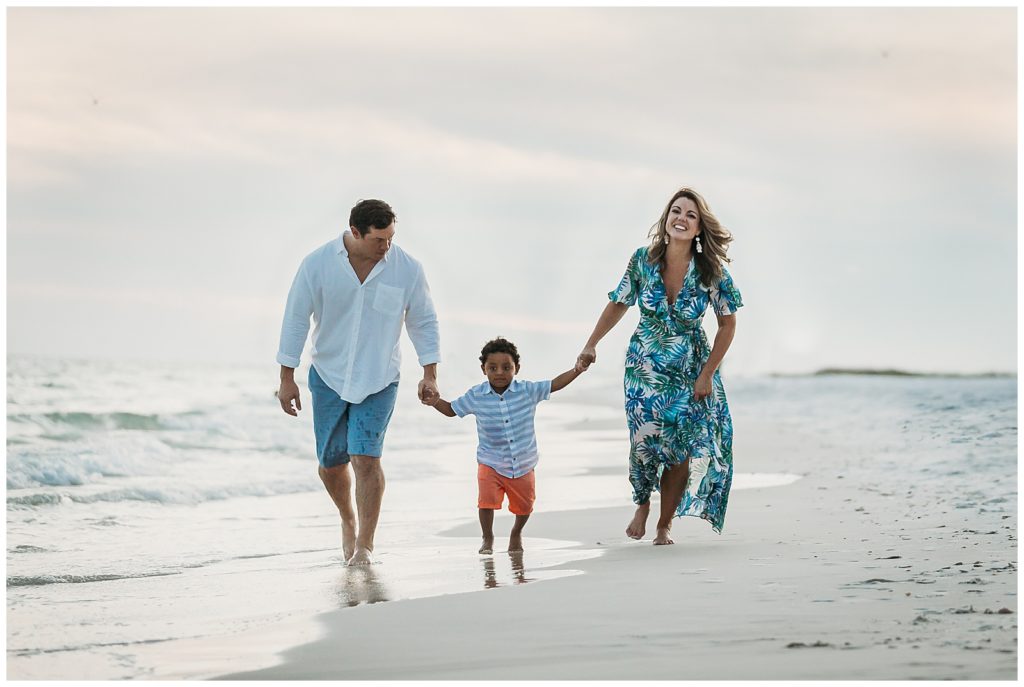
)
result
[(421, 323), (295, 326)]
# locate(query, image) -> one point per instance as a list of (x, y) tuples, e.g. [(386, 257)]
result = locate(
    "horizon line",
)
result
[(819, 372)]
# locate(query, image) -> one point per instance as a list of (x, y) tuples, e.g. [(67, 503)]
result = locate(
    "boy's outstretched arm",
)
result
[(563, 380), (444, 407)]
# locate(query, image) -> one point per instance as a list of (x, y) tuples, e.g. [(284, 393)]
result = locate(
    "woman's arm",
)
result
[(610, 317), (723, 339)]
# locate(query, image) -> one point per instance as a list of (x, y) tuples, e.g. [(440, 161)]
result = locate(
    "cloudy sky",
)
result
[(169, 168)]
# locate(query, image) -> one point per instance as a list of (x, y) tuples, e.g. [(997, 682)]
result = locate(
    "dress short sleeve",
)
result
[(725, 297), (629, 287)]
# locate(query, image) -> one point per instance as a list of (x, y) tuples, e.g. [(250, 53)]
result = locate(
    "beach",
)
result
[(871, 534), (867, 568), (181, 177)]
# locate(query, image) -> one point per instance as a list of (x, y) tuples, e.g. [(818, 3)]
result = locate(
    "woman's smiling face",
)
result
[(683, 221)]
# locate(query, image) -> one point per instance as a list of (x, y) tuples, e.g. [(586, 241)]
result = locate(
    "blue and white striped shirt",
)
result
[(504, 424)]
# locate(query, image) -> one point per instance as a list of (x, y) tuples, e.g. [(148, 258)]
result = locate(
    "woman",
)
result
[(680, 430)]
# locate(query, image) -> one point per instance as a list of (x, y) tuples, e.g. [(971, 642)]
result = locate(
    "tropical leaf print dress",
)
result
[(666, 354)]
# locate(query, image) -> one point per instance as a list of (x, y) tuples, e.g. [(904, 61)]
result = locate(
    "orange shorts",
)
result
[(493, 487)]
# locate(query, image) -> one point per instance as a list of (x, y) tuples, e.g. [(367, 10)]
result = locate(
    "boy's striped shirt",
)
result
[(504, 424)]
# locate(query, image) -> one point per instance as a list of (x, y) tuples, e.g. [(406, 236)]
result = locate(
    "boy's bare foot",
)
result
[(486, 546), (515, 543), (362, 556), (638, 525), (663, 537)]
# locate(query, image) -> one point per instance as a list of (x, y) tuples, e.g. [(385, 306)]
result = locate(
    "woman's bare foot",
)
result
[(638, 525), (487, 545), (515, 543), (362, 556), (663, 537)]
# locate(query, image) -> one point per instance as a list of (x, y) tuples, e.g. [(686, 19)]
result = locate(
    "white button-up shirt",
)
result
[(356, 326), (507, 441)]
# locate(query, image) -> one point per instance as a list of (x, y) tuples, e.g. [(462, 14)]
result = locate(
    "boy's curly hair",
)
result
[(499, 345)]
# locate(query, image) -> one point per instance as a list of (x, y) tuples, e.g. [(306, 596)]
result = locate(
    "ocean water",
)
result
[(155, 510)]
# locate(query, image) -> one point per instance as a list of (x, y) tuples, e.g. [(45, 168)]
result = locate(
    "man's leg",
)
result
[(369, 477), (368, 423), (338, 481), (330, 428)]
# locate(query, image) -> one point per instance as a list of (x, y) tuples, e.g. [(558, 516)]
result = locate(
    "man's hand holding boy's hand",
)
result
[(427, 392)]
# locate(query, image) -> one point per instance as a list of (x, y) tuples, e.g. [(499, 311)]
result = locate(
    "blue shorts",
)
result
[(342, 428)]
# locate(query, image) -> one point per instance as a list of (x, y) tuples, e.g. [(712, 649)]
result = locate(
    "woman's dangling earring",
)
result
[(666, 239), (700, 249)]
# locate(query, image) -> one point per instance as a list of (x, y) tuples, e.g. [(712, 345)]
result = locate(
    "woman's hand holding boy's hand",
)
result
[(586, 358)]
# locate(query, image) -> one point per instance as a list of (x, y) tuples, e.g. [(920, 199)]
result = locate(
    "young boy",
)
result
[(507, 449)]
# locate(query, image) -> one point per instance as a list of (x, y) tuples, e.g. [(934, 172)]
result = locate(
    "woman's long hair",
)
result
[(714, 238)]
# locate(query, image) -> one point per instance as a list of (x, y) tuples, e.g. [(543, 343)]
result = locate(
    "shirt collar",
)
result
[(512, 388), (339, 245)]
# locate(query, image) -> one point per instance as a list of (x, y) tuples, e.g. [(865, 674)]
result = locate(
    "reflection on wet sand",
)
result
[(361, 585), (517, 568), (490, 576)]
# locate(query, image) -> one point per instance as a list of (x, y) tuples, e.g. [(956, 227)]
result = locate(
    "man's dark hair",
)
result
[(499, 345), (371, 213)]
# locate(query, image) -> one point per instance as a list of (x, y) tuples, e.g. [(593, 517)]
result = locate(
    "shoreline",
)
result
[(444, 564), (902, 488), (797, 612), (824, 578)]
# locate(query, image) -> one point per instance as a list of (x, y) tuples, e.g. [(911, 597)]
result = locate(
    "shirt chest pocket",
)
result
[(389, 299)]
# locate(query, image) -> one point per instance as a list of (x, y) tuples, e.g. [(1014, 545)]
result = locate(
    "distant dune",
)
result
[(905, 373)]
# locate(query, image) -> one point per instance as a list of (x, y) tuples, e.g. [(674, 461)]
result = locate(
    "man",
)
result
[(359, 288)]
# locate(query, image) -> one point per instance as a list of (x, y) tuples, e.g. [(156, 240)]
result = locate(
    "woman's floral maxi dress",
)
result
[(666, 353)]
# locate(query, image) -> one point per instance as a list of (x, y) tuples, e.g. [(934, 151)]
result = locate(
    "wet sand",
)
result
[(854, 572)]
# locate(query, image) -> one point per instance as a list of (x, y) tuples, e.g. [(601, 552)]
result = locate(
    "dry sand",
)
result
[(841, 575)]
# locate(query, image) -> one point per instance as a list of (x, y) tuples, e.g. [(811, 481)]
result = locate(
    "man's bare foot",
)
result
[(638, 525), (515, 543), (487, 545), (362, 556), (348, 540), (663, 537)]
